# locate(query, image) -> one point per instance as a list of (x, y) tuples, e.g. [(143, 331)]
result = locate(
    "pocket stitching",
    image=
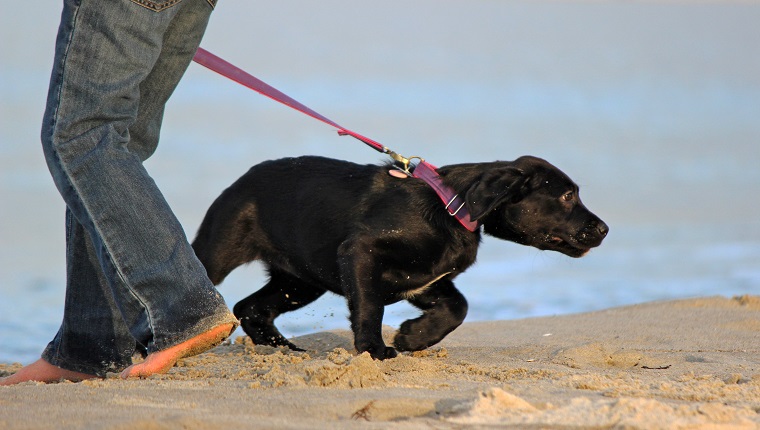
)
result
[(156, 7)]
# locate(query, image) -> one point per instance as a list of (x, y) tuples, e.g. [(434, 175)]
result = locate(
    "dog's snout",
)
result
[(602, 228), (593, 233)]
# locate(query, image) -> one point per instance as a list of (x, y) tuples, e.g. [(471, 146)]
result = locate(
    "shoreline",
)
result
[(679, 364)]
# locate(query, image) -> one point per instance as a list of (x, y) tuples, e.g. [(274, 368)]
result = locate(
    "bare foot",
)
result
[(42, 371), (161, 361)]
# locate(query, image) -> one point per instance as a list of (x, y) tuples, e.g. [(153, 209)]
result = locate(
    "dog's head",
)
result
[(531, 202)]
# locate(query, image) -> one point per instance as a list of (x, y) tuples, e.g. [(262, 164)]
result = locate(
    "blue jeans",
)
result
[(133, 281)]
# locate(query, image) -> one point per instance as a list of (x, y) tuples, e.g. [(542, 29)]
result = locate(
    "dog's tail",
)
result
[(225, 238)]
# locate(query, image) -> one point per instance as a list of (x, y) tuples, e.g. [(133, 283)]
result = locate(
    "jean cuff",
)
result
[(199, 328)]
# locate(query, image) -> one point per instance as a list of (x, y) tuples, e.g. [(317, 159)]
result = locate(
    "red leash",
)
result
[(427, 172)]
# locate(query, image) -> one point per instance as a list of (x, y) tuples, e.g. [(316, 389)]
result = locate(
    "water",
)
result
[(653, 108)]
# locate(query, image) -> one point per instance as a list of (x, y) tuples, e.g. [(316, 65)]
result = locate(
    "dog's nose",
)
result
[(602, 228)]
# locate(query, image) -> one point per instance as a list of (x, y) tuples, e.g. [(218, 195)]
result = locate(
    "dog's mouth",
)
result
[(569, 247), (579, 243)]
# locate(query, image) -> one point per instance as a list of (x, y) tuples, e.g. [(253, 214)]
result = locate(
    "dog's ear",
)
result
[(494, 187)]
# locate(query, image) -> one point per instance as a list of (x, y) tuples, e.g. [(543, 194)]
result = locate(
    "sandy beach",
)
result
[(687, 364), (650, 106)]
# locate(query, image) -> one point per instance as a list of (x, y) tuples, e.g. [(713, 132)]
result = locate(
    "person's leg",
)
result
[(91, 315), (105, 51), (180, 43), (99, 334)]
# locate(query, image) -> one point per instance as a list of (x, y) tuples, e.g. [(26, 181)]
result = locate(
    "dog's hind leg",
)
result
[(443, 309), (283, 293)]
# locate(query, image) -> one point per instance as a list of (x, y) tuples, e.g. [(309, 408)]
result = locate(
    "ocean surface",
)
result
[(652, 107)]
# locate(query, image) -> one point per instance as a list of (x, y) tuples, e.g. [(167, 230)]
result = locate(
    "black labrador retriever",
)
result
[(320, 225)]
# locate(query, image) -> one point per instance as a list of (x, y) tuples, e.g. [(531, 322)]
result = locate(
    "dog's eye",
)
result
[(568, 197)]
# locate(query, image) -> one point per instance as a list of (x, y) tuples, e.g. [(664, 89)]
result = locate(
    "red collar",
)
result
[(455, 205)]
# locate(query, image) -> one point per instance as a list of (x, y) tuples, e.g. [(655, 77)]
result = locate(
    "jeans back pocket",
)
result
[(158, 6)]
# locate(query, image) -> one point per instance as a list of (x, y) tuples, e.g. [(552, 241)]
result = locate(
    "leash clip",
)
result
[(405, 162)]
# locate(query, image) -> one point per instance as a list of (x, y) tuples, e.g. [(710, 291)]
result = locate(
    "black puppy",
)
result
[(327, 225)]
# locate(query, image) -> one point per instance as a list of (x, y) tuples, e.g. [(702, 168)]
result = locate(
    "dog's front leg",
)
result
[(443, 309), (366, 323), (360, 281)]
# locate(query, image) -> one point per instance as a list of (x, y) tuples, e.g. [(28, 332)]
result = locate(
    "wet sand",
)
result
[(681, 364)]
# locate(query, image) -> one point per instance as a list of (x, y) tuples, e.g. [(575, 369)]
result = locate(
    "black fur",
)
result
[(327, 225)]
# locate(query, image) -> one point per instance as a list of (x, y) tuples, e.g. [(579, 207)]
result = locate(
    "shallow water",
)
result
[(653, 108)]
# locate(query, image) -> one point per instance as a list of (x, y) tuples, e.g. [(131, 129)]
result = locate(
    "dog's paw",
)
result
[(295, 348), (270, 336), (388, 353), (408, 343), (381, 352), (410, 339)]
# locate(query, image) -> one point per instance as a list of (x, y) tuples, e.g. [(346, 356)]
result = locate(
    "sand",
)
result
[(689, 364)]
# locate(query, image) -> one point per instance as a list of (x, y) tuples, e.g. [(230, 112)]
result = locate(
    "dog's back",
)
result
[(300, 205)]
